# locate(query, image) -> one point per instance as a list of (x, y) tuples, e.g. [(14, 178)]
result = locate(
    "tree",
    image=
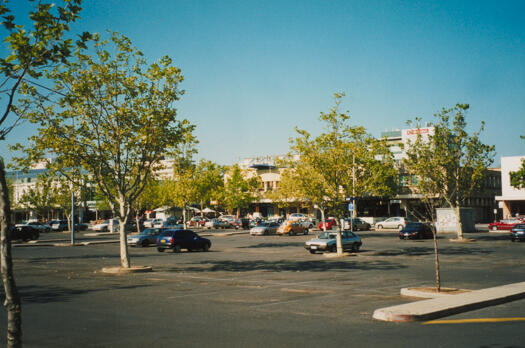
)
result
[(240, 189), (115, 120), (209, 182), (180, 190), (451, 164), (340, 164), (517, 178), (40, 198), (30, 49)]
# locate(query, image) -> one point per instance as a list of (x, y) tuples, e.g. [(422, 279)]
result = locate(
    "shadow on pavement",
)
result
[(273, 245), (420, 251), (46, 294), (286, 265), (78, 257)]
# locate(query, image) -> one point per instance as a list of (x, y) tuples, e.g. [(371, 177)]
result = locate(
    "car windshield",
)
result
[(264, 224), (327, 235)]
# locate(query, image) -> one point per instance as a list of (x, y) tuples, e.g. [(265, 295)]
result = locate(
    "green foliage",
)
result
[(342, 162), (33, 48), (40, 198), (451, 163), (115, 118), (240, 188), (517, 178), (209, 181)]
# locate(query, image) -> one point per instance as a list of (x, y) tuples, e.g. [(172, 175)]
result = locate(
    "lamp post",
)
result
[(72, 215)]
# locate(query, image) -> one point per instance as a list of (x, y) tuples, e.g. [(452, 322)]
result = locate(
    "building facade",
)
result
[(511, 202)]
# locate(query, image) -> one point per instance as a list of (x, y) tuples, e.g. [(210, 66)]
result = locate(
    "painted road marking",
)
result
[(478, 320)]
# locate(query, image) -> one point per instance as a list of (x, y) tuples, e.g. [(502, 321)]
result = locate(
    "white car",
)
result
[(297, 217), (101, 227), (396, 222)]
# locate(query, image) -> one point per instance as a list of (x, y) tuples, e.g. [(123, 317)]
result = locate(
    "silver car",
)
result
[(357, 224), (396, 222), (264, 228), (327, 242)]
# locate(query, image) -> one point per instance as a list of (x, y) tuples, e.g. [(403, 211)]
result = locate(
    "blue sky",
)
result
[(254, 70)]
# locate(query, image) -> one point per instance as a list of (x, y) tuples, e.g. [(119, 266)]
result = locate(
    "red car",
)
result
[(506, 224), (330, 222)]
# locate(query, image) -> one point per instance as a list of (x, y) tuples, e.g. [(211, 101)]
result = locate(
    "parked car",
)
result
[(327, 241), (24, 232), (330, 223), (145, 238), (416, 230), (171, 222), (396, 222), (505, 224), (357, 224), (41, 227), (217, 223), (197, 221), (297, 217), (101, 227), (264, 228), (148, 223), (60, 225), (518, 232), (182, 239), (291, 227)]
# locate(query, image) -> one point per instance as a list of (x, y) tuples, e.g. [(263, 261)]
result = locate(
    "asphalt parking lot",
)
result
[(259, 291)]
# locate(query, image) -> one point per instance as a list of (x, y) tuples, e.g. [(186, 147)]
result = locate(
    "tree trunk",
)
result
[(123, 219), (202, 207), (338, 238), (12, 299), (323, 219), (184, 217), (137, 221), (436, 259), (459, 224)]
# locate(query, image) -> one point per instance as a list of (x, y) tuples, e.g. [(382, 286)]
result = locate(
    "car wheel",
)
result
[(176, 248), (333, 248), (306, 231), (160, 250), (512, 240), (206, 247), (400, 227), (34, 236), (379, 227), (144, 243), (291, 233), (494, 228), (355, 247), (312, 251)]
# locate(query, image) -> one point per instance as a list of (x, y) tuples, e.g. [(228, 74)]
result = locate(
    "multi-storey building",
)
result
[(511, 202)]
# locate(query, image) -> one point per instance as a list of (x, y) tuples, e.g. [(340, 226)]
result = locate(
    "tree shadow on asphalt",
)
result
[(421, 251), (78, 257), (273, 245), (46, 294), (288, 265)]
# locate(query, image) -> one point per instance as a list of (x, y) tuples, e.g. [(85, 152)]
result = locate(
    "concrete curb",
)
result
[(133, 269), (449, 305), (336, 255), (417, 292)]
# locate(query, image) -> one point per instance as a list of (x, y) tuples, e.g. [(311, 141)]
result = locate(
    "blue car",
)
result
[(145, 238), (182, 239), (517, 233)]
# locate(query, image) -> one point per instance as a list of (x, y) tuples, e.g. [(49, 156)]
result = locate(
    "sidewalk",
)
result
[(453, 304)]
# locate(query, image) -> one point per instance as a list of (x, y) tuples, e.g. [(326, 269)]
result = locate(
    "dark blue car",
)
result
[(182, 239), (517, 233), (416, 230)]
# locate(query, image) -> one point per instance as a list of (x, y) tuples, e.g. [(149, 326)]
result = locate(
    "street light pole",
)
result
[(72, 215)]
